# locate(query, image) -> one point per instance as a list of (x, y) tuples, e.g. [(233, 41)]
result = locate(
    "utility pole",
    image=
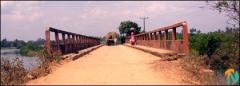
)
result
[(144, 18)]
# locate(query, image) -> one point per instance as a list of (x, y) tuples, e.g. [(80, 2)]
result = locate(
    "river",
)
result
[(28, 62)]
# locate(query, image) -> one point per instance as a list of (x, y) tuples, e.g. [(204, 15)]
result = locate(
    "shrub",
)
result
[(43, 68), (25, 49), (12, 72), (206, 43), (221, 47)]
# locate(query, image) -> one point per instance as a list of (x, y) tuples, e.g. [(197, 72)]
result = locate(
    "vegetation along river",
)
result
[(11, 54)]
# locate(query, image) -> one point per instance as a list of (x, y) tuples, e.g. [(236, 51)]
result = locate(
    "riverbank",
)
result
[(4, 48), (28, 61), (9, 69)]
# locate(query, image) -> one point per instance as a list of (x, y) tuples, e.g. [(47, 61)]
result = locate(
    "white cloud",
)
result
[(21, 11), (96, 18)]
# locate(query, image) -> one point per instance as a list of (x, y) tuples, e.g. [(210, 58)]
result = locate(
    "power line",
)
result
[(144, 18)]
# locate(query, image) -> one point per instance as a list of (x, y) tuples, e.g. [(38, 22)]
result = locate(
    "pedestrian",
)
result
[(132, 39)]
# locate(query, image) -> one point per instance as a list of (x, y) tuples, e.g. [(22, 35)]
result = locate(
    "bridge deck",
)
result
[(114, 65)]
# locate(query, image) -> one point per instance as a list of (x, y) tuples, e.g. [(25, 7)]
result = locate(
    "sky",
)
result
[(27, 20)]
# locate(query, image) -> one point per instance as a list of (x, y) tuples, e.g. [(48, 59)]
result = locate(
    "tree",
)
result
[(206, 43), (125, 26), (4, 42), (231, 7), (193, 30), (18, 43), (39, 41)]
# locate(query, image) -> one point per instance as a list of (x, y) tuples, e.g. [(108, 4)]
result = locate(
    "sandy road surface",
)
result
[(112, 65)]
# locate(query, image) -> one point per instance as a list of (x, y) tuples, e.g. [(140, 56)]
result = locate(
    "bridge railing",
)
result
[(166, 38), (71, 42)]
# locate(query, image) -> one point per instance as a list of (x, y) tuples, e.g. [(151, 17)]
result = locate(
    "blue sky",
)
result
[(27, 20)]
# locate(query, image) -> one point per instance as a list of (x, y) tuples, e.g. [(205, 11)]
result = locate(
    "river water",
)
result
[(28, 62)]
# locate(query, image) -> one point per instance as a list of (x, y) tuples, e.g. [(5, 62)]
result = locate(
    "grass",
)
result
[(201, 72), (13, 72)]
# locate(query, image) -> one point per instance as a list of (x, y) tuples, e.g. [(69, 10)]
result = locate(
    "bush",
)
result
[(24, 50), (43, 68), (199, 71), (221, 48), (206, 43), (12, 72)]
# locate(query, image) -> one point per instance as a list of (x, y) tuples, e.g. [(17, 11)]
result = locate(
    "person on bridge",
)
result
[(132, 39)]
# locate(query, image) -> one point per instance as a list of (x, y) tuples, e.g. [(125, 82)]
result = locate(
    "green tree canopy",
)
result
[(125, 26)]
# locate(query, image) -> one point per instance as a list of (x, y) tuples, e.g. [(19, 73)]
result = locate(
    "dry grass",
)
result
[(200, 72), (43, 69), (12, 72)]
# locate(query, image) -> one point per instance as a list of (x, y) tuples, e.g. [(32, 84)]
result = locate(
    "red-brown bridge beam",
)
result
[(57, 41), (47, 42), (71, 43), (64, 42), (177, 45), (185, 38), (165, 38), (174, 39)]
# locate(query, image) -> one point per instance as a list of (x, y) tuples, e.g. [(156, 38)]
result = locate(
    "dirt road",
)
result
[(114, 65)]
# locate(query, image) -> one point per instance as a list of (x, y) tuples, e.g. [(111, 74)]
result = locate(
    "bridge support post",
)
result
[(69, 43), (74, 43), (160, 38), (145, 39), (155, 44), (148, 39), (57, 42), (87, 40), (64, 42), (155, 35), (48, 43), (165, 38), (78, 42), (174, 39), (185, 38), (84, 42), (136, 39), (81, 42), (151, 36)]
